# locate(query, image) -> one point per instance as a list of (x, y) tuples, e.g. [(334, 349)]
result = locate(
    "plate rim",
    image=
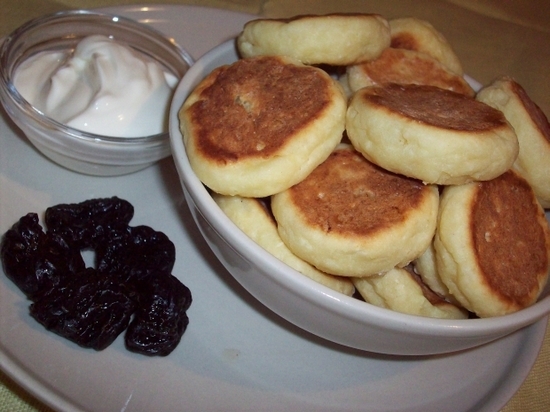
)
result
[(52, 398)]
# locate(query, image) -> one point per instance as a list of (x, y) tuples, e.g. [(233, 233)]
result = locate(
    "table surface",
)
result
[(491, 37)]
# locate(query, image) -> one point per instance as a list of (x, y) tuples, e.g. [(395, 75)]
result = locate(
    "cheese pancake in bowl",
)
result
[(253, 217), (431, 134), (334, 39), (532, 129), (492, 245), (350, 217), (308, 304), (401, 290), (260, 125), (416, 34), (405, 67)]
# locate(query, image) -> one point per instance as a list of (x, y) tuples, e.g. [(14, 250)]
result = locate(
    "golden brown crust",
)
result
[(431, 134), (260, 125), (348, 196), (406, 67), (352, 218), (252, 100), (492, 245), (436, 107), (506, 222)]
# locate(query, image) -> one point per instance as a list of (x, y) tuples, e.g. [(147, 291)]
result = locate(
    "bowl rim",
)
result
[(6, 80), (298, 284)]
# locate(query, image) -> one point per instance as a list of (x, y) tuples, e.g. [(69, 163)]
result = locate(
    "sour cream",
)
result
[(102, 87)]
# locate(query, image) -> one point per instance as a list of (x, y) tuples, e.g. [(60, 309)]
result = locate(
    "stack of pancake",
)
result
[(352, 148)]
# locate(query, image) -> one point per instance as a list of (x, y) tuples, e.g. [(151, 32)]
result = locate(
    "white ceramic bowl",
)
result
[(77, 150), (305, 303)]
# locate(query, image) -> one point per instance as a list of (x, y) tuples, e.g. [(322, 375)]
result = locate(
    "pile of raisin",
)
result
[(131, 288)]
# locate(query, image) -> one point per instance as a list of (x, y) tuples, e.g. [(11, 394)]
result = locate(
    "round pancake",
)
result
[(254, 219), (335, 39), (431, 134), (492, 245), (349, 217), (415, 34), (532, 129), (406, 67), (402, 291), (260, 125)]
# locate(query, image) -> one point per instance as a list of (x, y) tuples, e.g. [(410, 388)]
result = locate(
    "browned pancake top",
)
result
[(509, 241), (437, 107), (534, 111), (410, 67), (254, 107), (347, 194)]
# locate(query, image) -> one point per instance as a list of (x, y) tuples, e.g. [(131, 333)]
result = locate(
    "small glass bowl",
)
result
[(74, 149)]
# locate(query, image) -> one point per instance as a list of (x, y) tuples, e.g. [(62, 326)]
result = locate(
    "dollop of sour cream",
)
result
[(102, 87)]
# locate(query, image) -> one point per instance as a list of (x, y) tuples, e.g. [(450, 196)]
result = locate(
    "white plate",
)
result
[(236, 355)]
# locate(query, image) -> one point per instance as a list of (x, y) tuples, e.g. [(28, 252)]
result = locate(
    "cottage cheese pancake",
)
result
[(492, 245), (261, 125), (431, 134), (402, 291), (256, 221), (532, 129), (349, 217), (415, 34), (335, 39), (406, 67)]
